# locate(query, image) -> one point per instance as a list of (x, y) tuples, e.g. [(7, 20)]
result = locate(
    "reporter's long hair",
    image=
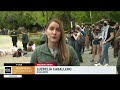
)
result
[(62, 48)]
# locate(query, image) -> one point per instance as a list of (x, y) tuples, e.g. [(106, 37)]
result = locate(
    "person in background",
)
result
[(71, 40), (29, 48), (25, 40), (79, 42), (96, 44), (118, 63), (14, 36), (107, 36), (117, 42), (43, 37), (55, 50)]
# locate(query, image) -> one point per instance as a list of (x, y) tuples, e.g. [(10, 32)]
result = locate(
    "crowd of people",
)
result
[(100, 36), (4, 31), (67, 49)]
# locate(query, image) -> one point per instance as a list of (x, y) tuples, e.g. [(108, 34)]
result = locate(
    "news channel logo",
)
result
[(7, 70)]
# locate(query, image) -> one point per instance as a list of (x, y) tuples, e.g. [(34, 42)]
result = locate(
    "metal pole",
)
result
[(71, 24), (91, 17)]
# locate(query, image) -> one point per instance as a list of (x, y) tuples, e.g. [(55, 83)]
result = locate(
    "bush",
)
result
[(36, 41), (20, 37), (35, 38)]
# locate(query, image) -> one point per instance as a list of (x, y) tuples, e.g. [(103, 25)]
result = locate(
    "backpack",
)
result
[(82, 33), (81, 41)]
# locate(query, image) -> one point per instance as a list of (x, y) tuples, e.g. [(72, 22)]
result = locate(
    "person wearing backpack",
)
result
[(106, 38), (78, 42)]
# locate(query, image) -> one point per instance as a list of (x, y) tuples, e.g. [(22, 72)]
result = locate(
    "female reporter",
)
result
[(55, 50)]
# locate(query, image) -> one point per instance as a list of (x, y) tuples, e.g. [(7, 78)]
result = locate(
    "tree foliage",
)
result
[(29, 19)]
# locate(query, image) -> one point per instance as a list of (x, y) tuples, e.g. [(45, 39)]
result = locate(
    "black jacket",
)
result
[(118, 63)]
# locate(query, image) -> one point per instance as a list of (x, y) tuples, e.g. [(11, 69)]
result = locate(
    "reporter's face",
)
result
[(53, 32)]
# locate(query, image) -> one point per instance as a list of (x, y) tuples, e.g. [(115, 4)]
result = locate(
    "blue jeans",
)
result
[(105, 56)]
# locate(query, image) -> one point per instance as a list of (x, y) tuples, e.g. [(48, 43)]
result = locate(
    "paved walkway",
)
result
[(87, 57), (6, 43)]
